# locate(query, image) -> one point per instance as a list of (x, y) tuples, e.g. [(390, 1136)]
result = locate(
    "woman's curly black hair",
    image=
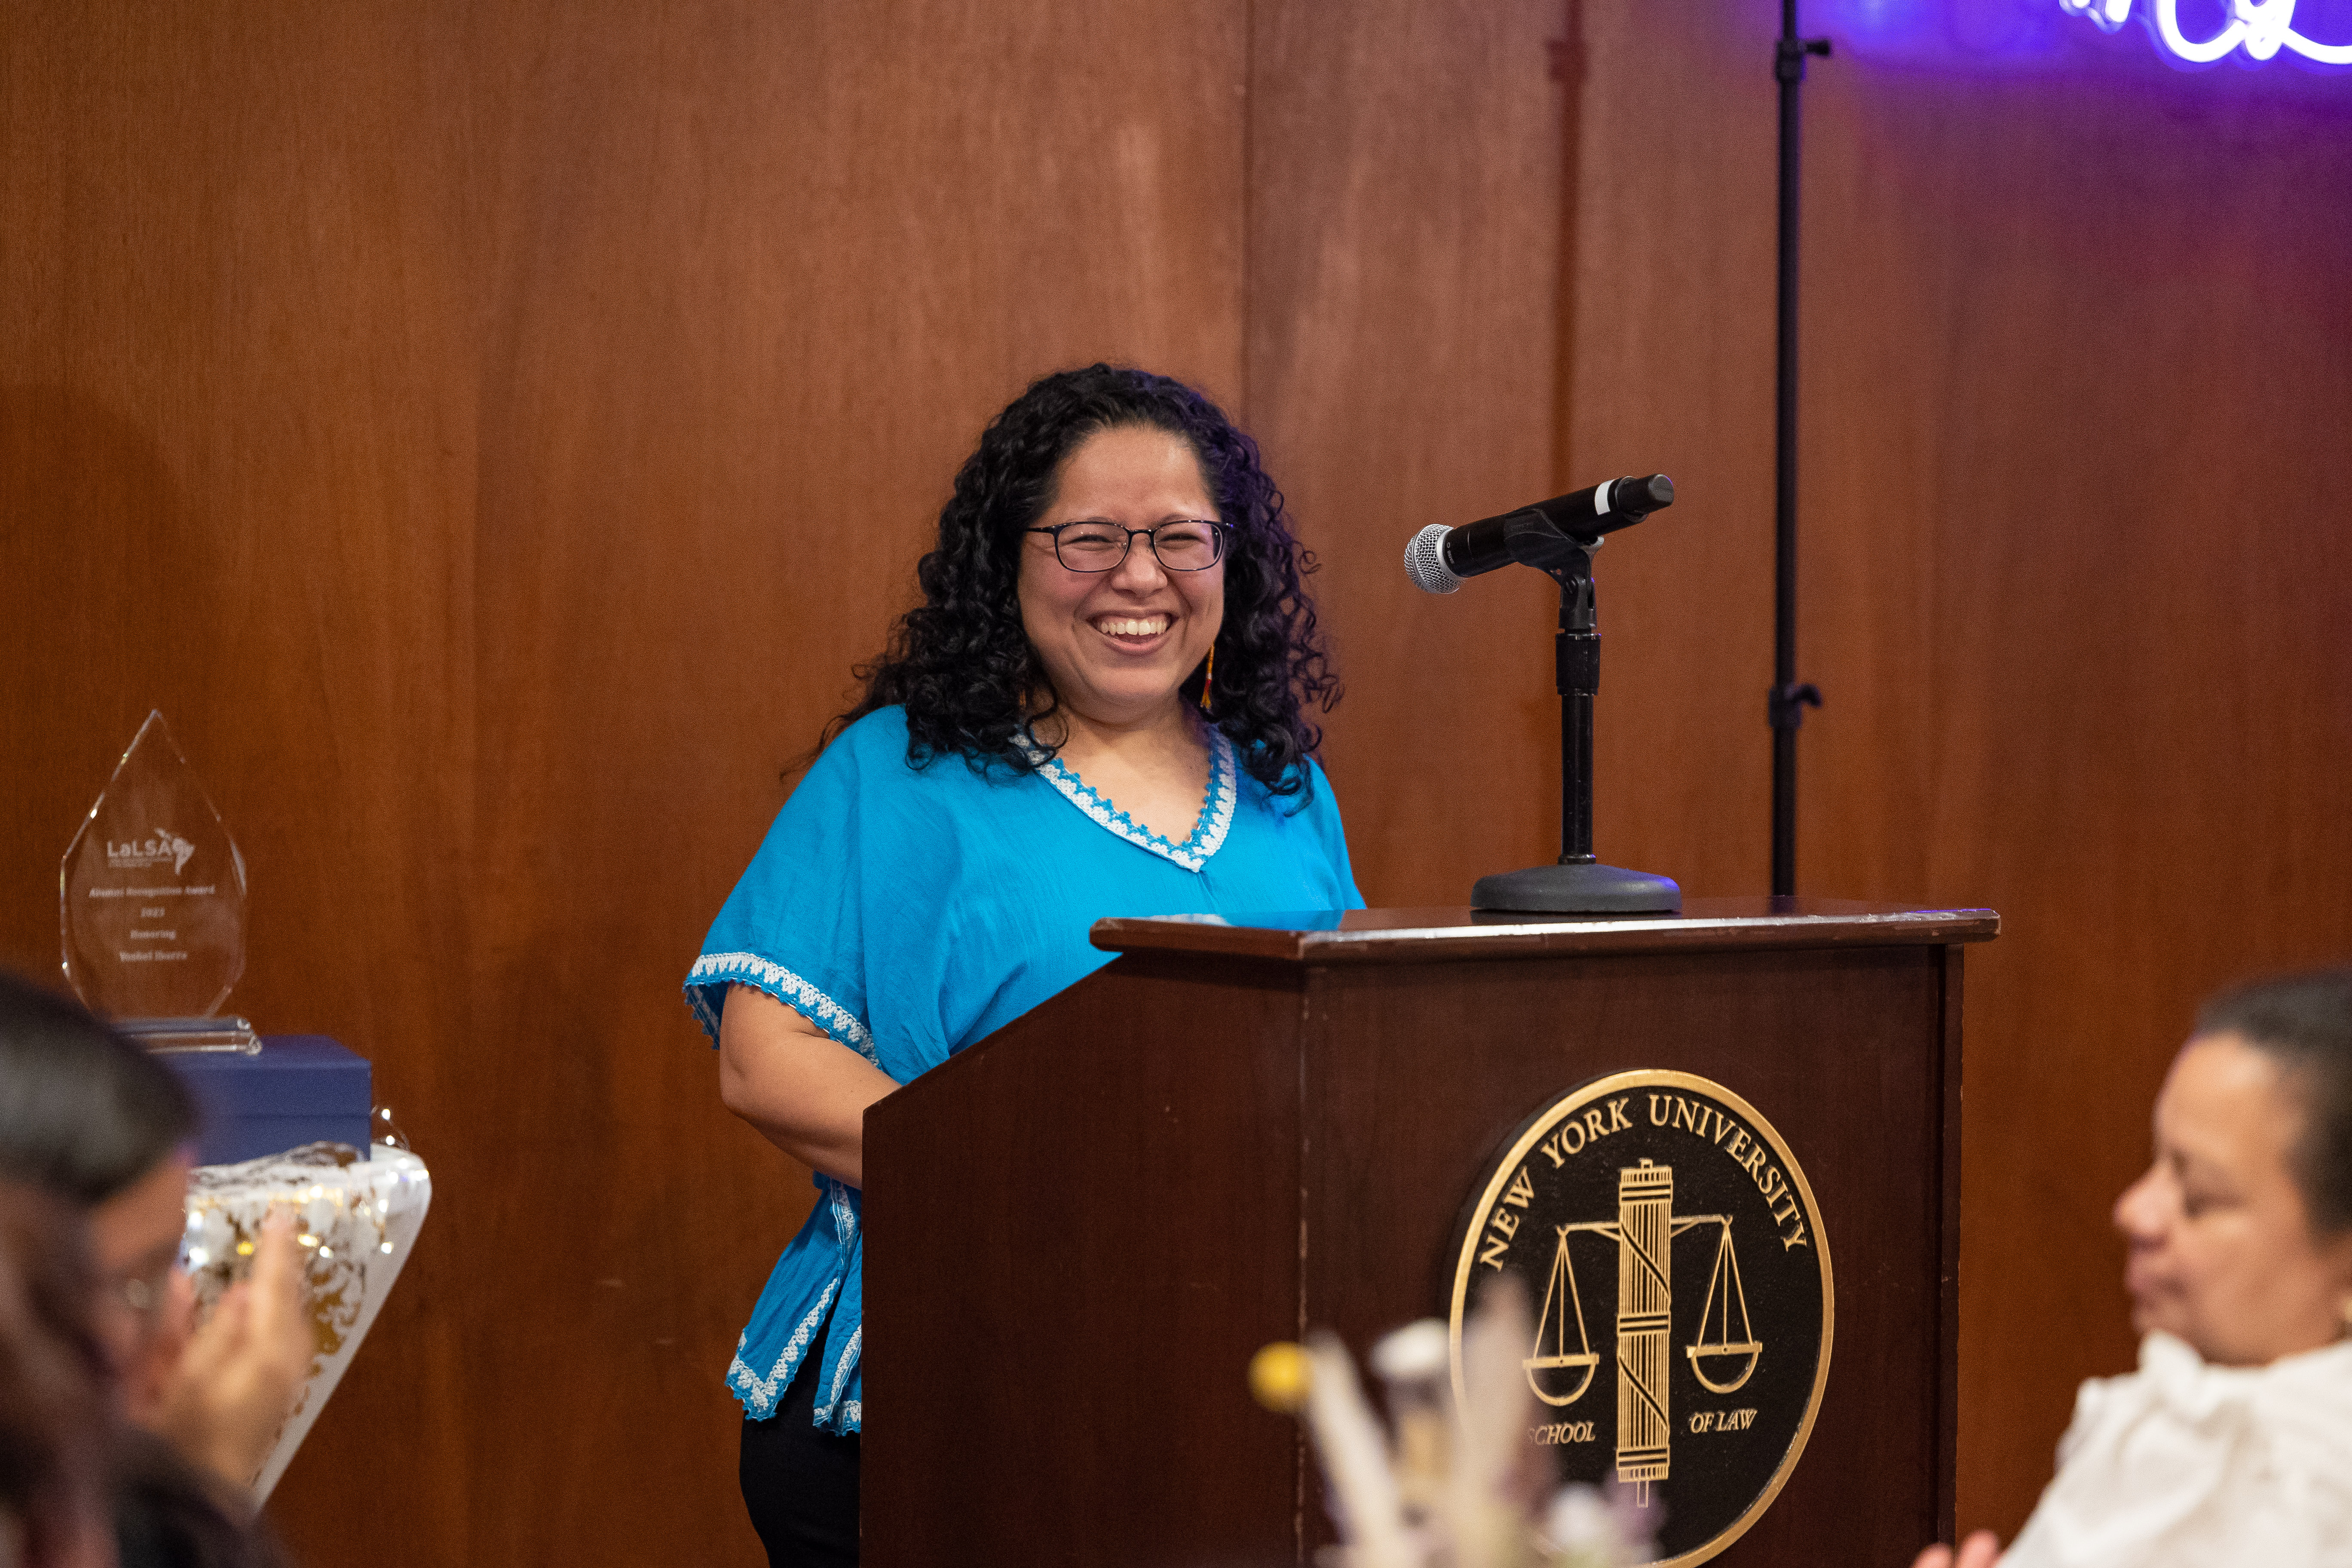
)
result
[(962, 664)]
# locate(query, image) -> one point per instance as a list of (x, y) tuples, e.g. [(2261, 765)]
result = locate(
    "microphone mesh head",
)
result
[(1424, 560)]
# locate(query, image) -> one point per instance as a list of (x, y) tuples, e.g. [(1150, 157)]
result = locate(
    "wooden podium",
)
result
[(1080, 1229)]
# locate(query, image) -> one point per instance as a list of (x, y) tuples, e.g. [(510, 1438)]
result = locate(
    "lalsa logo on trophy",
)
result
[(1699, 1388)]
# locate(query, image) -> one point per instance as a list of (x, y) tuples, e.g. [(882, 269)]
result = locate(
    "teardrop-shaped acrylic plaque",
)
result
[(153, 896)]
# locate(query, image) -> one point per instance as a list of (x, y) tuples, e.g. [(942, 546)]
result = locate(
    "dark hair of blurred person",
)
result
[(2303, 1023), (87, 1113), (55, 1430)]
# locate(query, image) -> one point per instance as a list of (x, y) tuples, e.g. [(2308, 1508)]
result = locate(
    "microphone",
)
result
[(1439, 557)]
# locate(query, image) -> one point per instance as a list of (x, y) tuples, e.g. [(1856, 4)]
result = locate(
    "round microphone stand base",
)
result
[(1578, 888)]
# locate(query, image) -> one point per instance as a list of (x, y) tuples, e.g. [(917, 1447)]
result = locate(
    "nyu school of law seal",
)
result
[(1674, 1263)]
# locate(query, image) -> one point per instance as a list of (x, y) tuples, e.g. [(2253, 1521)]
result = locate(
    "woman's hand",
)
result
[(799, 1088), (1981, 1550), (235, 1382)]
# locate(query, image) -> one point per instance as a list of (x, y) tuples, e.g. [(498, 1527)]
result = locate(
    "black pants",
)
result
[(800, 1484)]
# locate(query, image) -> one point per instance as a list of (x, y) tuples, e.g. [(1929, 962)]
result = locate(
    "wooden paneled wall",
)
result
[(1404, 273), (2077, 367), (491, 431), (490, 434)]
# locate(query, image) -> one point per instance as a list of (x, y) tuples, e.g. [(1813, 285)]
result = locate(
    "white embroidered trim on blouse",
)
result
[(763, 1389), (1208, 833), (712, 967), (841, 1379)]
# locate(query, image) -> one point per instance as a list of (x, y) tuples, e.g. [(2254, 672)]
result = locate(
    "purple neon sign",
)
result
[(2261, 27)]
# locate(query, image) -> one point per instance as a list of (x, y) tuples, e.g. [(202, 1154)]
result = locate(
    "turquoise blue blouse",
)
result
[(908, 912)]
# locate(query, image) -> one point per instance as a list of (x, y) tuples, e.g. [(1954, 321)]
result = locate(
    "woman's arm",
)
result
[(799, 1088)]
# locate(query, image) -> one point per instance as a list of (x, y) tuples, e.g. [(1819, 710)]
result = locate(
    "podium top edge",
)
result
[(1436, 935)]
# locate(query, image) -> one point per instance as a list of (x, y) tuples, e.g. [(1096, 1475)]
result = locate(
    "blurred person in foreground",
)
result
[(56, 1434), (2232, 1443), (95, 1121)]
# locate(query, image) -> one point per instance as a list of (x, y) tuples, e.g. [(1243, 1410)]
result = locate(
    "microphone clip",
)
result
[(1535, 540)]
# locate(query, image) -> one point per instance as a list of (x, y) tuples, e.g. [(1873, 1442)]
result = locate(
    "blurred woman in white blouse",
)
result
[(2233, 1443)]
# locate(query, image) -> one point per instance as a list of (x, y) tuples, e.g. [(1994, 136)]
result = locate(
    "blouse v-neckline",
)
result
[(1208, 829)]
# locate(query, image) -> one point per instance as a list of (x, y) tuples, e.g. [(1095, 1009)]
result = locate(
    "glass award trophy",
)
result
[(153, 905)]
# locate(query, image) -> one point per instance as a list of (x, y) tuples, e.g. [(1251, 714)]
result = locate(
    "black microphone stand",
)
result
[(1579, 883)]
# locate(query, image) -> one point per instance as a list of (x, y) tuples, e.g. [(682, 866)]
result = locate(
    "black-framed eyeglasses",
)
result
[(1188, 545)]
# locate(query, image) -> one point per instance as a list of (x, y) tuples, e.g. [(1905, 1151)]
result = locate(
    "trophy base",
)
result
[(191, 1035), (1578, 888)]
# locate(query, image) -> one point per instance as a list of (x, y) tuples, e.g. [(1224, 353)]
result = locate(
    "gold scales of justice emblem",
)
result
[(1616, 1172), (1645, 1193)]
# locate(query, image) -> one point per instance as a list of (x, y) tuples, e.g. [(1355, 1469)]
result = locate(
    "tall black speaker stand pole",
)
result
[(1786, 706)]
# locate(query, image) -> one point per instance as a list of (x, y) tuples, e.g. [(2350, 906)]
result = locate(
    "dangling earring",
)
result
[(1208, 674)]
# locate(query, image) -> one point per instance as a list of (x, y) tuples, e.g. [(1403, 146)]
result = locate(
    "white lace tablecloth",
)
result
[(360, 1215)]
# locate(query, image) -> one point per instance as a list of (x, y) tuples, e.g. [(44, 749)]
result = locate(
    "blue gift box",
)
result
[(300, 1088)]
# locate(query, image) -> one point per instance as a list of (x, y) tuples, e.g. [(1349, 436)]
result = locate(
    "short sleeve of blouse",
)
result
[(843, 915)]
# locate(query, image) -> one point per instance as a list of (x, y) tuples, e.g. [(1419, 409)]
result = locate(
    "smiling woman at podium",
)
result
[(1099, 710)]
